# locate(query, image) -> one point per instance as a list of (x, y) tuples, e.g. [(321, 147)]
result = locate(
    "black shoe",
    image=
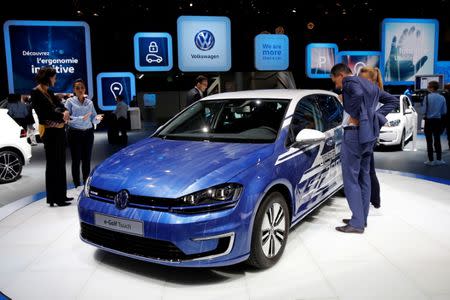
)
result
[(68, 199), (347, 221), (349, 229), (63, 203)]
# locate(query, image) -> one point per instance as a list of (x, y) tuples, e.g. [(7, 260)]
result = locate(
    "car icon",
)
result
[(224, 181), (151, 58)]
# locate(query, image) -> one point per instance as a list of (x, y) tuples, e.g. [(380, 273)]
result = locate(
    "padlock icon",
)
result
[(153, 47)]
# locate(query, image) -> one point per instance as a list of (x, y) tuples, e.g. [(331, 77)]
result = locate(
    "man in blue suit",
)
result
[(362, 123)]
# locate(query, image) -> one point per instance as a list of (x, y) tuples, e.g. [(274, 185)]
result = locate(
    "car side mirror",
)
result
[(408, 111), (308, 137)]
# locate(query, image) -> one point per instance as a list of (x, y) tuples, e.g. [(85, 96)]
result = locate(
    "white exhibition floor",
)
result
[(404, 254)]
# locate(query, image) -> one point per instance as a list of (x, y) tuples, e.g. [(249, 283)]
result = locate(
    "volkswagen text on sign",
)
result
[(271, 52), (153, 51), (204, 44)]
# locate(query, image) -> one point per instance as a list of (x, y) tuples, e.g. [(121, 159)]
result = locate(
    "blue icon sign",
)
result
[(271, 52), (204, 40), (153, 51), (111, 85)]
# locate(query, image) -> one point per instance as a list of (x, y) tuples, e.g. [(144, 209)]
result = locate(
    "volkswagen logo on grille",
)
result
[(121, 199), (204, 40)]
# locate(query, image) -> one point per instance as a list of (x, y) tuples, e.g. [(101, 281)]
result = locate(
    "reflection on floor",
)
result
[(404, 254)]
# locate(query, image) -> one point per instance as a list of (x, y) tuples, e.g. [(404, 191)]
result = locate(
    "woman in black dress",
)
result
[(52, 118)]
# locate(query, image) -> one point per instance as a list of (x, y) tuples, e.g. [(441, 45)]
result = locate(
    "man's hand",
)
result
[(402, 63), (99, 117), (86, 116)]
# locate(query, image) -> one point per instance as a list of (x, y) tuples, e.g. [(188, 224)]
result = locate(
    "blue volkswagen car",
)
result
[(220, 183)]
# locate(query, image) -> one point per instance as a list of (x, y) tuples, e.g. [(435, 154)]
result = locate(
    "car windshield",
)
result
[(229, 120)]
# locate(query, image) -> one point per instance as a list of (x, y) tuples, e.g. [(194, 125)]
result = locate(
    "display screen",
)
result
[(271, 52), (149, 100), (110, 85), (422, 81), (31, 45), (443, 67), (204, 43), (409, 48), (153, 51), (355, 60), (320, 58)]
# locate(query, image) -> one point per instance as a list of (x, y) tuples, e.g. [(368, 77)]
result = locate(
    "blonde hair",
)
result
[(372, 74)]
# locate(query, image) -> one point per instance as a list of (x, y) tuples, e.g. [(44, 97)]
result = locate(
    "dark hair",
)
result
[(340, 68), (79, 80), (200, 78), (44, 74), (120, 97), (433, 85)]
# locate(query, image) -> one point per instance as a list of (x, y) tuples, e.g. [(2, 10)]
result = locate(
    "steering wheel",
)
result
[(269, 129)]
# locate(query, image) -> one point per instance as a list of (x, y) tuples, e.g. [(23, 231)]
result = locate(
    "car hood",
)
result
[(173, 168)]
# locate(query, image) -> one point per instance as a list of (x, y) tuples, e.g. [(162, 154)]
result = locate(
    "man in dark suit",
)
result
[(198, 91), (362, 123)]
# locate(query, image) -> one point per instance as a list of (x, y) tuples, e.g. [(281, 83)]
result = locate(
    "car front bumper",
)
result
[(390, 136), (186, 240)]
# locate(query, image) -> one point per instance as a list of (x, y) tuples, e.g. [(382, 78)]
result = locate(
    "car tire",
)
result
[(270, 231), (10, 166), (402, 144)]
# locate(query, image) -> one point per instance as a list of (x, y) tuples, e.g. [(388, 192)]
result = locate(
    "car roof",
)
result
[(274, 93)]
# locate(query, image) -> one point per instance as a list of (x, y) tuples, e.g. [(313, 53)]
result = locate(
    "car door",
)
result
[(313, 166)]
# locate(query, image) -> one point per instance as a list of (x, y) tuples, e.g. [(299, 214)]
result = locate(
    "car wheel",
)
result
[(10, 166), (402, 144), (270, 231)]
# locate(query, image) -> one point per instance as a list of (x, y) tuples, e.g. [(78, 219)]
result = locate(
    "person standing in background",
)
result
[(446, 119), (198, 91), (80, 131), (52, 118), (433, 110), (121, 113), (30, 121), (18, 110), (374, 75)]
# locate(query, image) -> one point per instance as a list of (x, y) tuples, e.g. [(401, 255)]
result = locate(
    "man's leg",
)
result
[(436, 128), (429, 138), (351, 160), (364, 177), (374, 184)]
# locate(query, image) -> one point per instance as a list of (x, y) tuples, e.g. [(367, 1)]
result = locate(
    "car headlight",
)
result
[(87, 186), (393, 123), (222, 194)]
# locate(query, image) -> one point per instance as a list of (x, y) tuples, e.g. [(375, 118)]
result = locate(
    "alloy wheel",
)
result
[(273, 230), (10, 166)]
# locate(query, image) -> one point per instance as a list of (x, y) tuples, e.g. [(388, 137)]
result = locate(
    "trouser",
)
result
[(55, 171), (374, 184), (80, 143), (433, 132), (122, 125), (355, 158)]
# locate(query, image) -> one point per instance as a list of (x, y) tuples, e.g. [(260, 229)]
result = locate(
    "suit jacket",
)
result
[(193, 95), (361, 98)]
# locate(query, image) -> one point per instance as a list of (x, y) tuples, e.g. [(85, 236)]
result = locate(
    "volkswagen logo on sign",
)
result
[(204, 40), (121, 199)]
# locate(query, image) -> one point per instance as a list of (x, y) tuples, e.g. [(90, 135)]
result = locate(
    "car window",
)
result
[(405, 104), (331, 112), (229, 120), (306, 115)]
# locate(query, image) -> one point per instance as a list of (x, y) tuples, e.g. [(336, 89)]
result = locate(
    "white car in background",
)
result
[(399, 129), (15, 152)]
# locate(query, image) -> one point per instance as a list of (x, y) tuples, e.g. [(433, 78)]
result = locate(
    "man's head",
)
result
[(201, 82), (119, 98), (433, 86), (338, 73), (447, 87)]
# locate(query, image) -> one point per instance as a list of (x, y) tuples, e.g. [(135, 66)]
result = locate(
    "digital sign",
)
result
[(443, 67), (271, 52), (112, 84), (204, 43), (320, 58), (356, 60), (409, 48), (153, 51), (64, 45)]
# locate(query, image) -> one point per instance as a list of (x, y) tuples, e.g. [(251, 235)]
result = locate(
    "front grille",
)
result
[(159, 204), (143, 247)]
